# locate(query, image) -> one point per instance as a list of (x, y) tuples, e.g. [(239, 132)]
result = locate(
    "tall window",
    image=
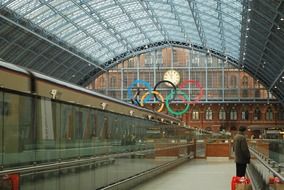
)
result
[(256, 114), (256, 88), (245, 114), (195, 114), (281, 115), (269, 114), (233, 81), (222, 114), (131, 63), (149, 58), (112, 82), (245, 86), (112, 86), (233, 114), (208, 114), (125, 82), (245, 82)]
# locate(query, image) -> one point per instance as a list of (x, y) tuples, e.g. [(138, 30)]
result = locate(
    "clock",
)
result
[(172, 76)]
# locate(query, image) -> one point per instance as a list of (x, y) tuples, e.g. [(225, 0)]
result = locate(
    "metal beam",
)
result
[(268, 36), (134, 22), (108, 26), (49, 41), (197, 20), (244, 32), (221, 26), (150, 12), (80, 28), (180, 23)]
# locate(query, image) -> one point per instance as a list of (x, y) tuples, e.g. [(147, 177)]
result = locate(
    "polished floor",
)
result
[(201, 174)]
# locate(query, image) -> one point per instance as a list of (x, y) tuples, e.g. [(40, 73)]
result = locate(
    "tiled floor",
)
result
[(210, 174)]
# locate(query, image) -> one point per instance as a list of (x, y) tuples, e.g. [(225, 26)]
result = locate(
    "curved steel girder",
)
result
[(206, 5), (267, 41), (150, 47), (41, 35), (198, 22), (77, 5), (79, 28), (213, 24), (114, 33), (264, 27), (250, 70), (268, 59), (203, 13), (267, 48), (150, 12)]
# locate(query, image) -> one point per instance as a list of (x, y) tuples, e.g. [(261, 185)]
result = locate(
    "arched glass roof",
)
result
[(74, 40), (104, 29)]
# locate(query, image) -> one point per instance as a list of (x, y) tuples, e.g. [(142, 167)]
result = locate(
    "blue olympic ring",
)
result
[(143, 82), (174, 92)]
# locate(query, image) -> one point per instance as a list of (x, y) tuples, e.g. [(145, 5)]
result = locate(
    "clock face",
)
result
[(173, 76)]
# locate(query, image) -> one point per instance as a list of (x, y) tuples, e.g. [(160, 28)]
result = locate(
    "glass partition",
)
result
[(1, 125), (272, 149), (78, 147)]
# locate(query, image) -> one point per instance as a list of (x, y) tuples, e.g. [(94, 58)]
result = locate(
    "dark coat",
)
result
[(240, 147)]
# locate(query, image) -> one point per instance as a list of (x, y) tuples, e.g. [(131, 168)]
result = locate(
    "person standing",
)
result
[(242, 154)]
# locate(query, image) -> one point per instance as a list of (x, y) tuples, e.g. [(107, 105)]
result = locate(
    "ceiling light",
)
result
[(281, 19), (249, 9), (247, 28), (278, 27)]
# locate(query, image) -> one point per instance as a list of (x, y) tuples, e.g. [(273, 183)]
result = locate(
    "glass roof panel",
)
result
[(109, 27)]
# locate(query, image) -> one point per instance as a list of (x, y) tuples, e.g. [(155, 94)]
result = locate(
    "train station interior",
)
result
[(141, 94)]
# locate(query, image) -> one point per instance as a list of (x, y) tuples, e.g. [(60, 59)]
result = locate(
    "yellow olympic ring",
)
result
[(156, 93)]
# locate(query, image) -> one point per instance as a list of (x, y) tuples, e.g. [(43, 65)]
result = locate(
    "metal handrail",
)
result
[(77, 162), (265, 164)]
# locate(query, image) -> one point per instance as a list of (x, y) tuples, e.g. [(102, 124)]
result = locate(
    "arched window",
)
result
[(222, 114), (256, 114), (245, 82), (208, 114), (102, 81), (233, 114), (195, 114), (269, 114)]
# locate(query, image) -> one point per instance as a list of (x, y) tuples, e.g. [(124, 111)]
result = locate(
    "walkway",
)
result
[(210, 174)]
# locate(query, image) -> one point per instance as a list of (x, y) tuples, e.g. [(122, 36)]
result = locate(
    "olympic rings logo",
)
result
[(175, 91)]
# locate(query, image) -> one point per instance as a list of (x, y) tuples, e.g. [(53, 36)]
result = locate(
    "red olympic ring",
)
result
[(198, 85)]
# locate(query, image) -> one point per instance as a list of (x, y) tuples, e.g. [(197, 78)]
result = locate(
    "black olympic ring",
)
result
[(172, 84)]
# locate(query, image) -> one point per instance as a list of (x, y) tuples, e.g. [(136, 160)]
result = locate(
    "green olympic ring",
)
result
[(169, 97)]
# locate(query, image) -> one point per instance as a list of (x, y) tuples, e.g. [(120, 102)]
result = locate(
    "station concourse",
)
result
[(140, 94)]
